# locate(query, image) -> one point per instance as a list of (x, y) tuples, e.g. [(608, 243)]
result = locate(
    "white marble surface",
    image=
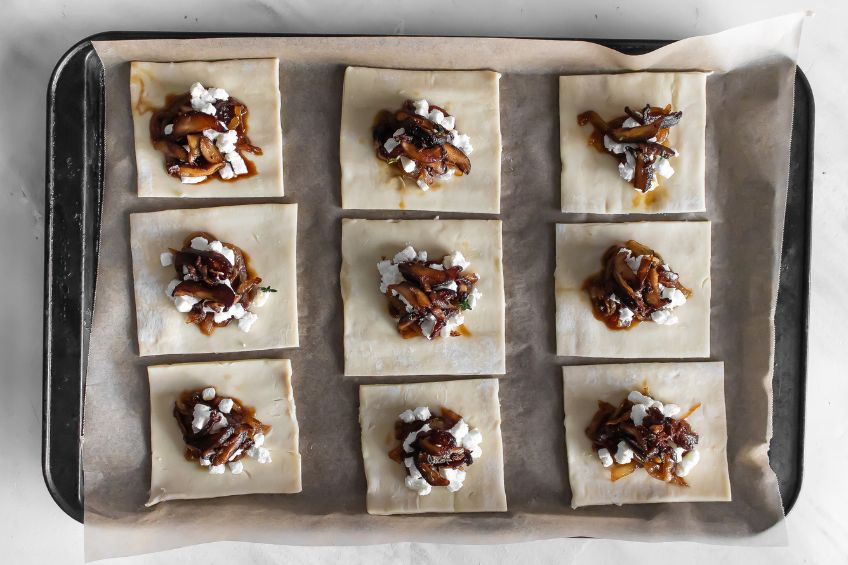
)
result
[(35, 33)]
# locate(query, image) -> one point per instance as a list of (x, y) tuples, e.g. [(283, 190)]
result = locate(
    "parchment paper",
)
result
[(750, 101)]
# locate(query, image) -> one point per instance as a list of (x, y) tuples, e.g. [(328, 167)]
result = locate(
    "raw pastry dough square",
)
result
[(590, 179), (266, 232), (477, 401), (683, 384), (372, 344), (471, 96), (256, 82), (264, 384), (685, 246)]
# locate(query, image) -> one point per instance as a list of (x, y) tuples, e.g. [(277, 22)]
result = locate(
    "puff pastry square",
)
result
[(683, 384), (264, 384), (265, 232), (372, 344), (590, 179), (685, 246), (471, 96), (253, 81), (477, 401)]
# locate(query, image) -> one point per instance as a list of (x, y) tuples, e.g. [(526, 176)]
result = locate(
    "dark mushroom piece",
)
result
[(216, 293)]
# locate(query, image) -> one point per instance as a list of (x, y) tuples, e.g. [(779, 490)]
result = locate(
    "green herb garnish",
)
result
[(267, 289), (463, 305)]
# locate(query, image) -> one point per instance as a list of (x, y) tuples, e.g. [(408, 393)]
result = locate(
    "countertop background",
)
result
[(35, 33)]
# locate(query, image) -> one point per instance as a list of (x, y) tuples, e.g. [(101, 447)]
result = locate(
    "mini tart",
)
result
[(470, 96), (255, 82), (684, 245), (590, 180), (266, 233), (684, 384), (477, 401), (372, 344), (263, 384)]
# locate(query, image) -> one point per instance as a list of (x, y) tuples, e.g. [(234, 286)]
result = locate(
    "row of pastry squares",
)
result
[(590, 183), (372, 344)]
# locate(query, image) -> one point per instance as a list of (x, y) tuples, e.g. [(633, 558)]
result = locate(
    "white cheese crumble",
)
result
[(205, 462), (422, 256), (185, 303), (627, 169), (455, 259), (200, 416), (462, 142), (420, 413), (208, 393), (664, 168), (638, 413), (671, 410), (389, 275), (200, 243), (236, 162), (236, 467), (246, 322), (225, 405), (422, 185), (456, 478), (192, 180), (261, 454), (169, 290), (218, 247), (677, 455), (605, 457), (422, 107), (451, 324), (216, 469), (450, 285), (674, 295), (405, 255), (411, 436), (687, 463), (167, 259), (169, 129), (236, 311), (474, 298), (202, 99), (428, 324), (258, 439), (623, 453), (664, 317), (436, 116), (390, 144), (407, 163), (625, 316), (414, 481)]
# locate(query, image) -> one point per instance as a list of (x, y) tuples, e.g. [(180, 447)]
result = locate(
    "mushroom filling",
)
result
[(635, 285), (638, 141), (203, 133), (220, 430), (435, 450), (420, 141), (428, 297), (643, 432), (215, 284)]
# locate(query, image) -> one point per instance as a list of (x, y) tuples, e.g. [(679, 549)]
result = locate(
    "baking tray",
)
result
[(74, 189)]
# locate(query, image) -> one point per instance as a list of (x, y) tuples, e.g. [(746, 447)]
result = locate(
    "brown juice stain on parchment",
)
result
[(142, 105), (648, 200), (462, 330)]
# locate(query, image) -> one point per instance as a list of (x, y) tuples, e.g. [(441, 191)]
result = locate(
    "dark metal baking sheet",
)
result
[(75, 122)]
